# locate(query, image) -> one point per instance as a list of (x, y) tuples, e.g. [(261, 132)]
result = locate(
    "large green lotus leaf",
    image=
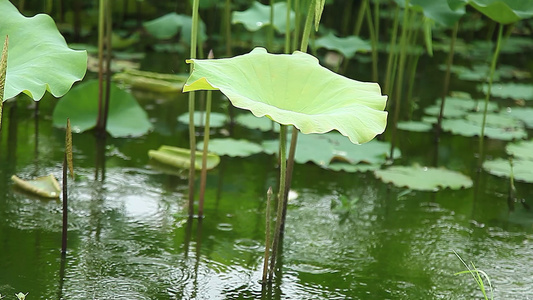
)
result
[(516, 91), (524, 114), (504, 11), (347, 46), (469, 128), (126, 117), (522, 169), (39, 59), (258, 16), (45, 186), (180, 158), (295, 89), (521, 150), (232, 147), (423, 178), (216, 120), (170, 24)]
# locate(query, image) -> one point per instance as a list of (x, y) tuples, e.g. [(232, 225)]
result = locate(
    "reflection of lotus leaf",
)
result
[(38, 56), (424, 178), (294, 89)]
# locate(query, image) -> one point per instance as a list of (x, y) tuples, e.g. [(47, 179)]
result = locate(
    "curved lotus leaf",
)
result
[(232, 147), (347, 46), (521, 150), (423, 178), (216, 120), (258, 16), (126, 117), (170, 24), (439, 11), (504, 11), (46, 186), (294, 89), (180, 158), (522, 169), (39, 59)]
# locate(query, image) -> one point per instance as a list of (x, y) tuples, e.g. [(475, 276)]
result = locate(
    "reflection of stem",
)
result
[(227, 24), (192, 137), (203, 177), (487, 96), (281, 196), (267, 235)]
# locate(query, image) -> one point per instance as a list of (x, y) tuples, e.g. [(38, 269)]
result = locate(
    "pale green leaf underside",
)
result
[(295, 89), (423, 178), (45, 186), (38, 56), (180, 158)]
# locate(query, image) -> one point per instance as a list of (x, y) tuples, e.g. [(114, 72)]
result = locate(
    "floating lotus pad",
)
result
[(151, 81), (38, 60), (347, 46), (45, 186), (253, 122), (522, 169), (180, 158), (524, 114), (424, 178), (521, 150), (294, 89), (232, 147), (170, 24), (126, 117), (258, 16), (415, 126), (473, 128), (516, 91), (216, 120)]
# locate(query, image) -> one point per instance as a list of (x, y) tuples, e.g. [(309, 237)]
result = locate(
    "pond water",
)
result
[(130, 238)]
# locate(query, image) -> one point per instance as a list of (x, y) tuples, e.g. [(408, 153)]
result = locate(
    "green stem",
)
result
[(101, 22), (270, 34), (392, 54), (399, 82), (281, 199), (307, 27), (296, 35), (287, 48), (203, 177), (360, 16), (374, 42), (227, 24), (109, 49), (192, 133), (487, 96)]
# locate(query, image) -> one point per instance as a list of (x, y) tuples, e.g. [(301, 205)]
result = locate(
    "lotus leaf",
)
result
[(415, 126), (439, 11), (39, 59), (504, 11), (347, 46), (294, 89), (232, 147), (253, 122), (180, 158), (46, 186), (216, 120), (466, 104), (497, 120), (258, 16), (170, 24), (524, 114), (346, 167), (522, 169), (125, 118), (450, 111), (521, 150), (468, 128), (151, 81), (424, 178), (516, 91)]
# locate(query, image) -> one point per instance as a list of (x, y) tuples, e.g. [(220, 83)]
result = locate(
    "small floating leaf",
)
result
[(521, 150), (253, 122), (232, 147), (522, 169), (46, 186), (424, 178), (524, 114), (216, 120), (415, 126), (516, 91), (180, 158), (347, 46), (258, 16), (470, 128)]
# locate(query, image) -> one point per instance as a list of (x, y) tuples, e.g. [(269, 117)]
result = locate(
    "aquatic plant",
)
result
[(478, 276)]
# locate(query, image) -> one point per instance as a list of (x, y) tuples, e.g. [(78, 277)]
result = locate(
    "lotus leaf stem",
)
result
[(192, 134)]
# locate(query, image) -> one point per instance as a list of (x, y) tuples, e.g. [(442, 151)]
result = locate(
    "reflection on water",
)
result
[(129, 238)]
